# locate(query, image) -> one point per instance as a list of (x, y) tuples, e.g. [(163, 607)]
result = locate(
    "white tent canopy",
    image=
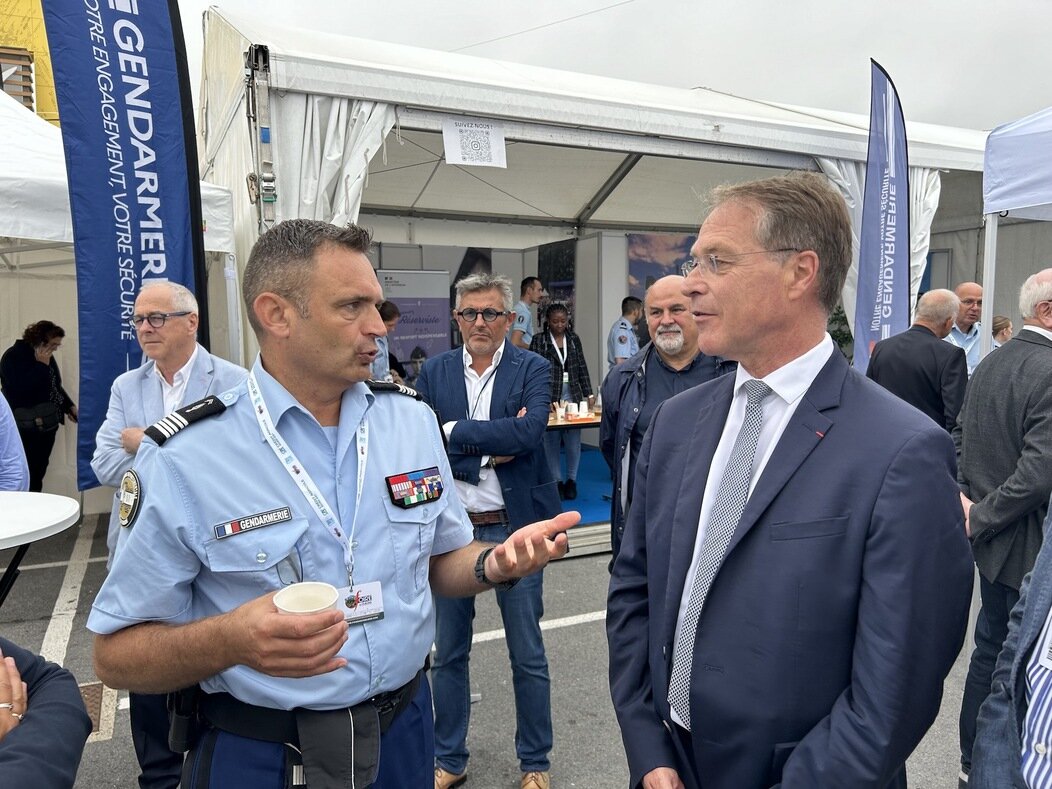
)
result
[(584, 153), (1017, 182)]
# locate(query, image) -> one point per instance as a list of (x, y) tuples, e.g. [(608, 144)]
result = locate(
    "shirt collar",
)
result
[(791, 380), (968, 334), (183, 372), (357, 399), (1037, 330), (497, 355)]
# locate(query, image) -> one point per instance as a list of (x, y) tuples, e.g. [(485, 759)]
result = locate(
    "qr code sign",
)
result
[(474, 145)]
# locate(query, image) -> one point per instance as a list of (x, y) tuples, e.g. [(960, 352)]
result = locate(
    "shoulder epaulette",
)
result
[(168, 426), (389, 386)]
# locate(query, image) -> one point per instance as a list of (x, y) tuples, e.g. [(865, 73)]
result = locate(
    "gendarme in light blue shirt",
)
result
[(969, 342), (523, 322), (621, 342), (172, 567)]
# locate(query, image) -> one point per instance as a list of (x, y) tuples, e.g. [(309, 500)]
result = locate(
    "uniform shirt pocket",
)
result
[(267, 557), (411, 532)]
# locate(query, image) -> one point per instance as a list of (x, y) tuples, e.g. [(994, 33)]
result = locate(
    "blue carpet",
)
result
[(593, 482)]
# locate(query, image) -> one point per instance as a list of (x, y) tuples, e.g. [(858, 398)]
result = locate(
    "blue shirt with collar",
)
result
[(172, 567), (621, 342), (969, 342), (14, 472), (523, 322)]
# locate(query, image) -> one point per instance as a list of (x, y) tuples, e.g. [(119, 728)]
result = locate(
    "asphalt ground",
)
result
[(48, 606)]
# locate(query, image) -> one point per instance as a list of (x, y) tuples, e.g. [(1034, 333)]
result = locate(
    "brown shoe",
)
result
[(535, 780), (447, 780)]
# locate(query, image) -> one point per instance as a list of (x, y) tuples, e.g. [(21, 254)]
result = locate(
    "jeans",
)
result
[(521, 608), (991, 629), (571, 439)]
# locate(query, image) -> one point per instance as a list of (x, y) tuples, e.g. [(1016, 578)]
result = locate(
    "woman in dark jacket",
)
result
[(32, 384), (561, 346)]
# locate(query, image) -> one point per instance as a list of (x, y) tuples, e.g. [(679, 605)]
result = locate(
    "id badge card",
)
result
[(362, 603)]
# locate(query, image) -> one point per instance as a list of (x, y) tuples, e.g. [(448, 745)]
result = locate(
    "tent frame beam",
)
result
[(569, 225)]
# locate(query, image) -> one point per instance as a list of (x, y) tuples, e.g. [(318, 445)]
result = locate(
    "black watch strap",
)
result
[(480, 573)]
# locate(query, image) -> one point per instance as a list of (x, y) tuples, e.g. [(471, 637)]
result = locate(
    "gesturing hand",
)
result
[(14, 696), (530, 548)]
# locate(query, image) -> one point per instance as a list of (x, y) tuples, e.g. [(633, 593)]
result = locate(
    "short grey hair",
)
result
[(183, 299), (283, 259), (937, 306), (1033, 292), (477, 283)]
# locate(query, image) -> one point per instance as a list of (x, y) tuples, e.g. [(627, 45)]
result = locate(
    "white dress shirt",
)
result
[(788, 383), (175, 391), (487, 495)]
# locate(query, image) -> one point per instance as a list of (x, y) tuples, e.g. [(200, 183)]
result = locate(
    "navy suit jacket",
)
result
[(839, 608), (521, 381), (998, 739)]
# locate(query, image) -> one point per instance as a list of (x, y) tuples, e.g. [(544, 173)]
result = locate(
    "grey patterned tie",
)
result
[(726, 512)]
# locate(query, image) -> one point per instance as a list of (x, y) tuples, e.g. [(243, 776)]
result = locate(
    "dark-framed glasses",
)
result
[(489, 314), (156, 319), (716, 264)]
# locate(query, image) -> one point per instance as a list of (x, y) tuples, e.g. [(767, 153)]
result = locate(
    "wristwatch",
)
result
[(480, 573)]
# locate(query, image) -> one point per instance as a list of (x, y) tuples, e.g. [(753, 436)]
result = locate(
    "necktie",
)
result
[(727, 510)]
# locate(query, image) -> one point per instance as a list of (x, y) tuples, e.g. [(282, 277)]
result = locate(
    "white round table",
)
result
[(27, 517)]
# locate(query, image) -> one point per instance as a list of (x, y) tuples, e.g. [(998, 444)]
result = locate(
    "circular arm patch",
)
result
[(128, 496)]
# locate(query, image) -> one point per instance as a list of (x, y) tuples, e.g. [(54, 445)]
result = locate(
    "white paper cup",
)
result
[(560, 413), (571, 410), (308, 597), (583, 409)]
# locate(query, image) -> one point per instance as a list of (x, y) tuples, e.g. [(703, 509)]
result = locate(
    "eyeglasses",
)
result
[(489, 314), (717, 264), (156, 319)]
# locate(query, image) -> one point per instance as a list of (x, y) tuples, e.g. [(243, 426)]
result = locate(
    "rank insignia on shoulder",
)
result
[(390, 386), (249, 522), (415, 487), (128, 495), (166, 427)]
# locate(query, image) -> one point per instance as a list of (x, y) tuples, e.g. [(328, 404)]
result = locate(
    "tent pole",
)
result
[(986, 318), (235, 350)]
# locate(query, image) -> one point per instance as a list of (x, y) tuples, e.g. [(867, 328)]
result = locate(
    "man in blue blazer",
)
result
[(794, 580), (492, 399), (177, 372)]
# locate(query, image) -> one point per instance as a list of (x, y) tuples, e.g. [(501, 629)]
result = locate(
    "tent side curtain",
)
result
[(849, 178), (325, 163)]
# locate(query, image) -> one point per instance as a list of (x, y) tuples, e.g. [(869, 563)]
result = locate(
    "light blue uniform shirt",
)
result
[(14, 473), (622, 342), (381, 366), (171, 567), (523, 322), (969, 342)]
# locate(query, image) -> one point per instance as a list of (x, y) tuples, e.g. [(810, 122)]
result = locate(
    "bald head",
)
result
[(937, 310), (971, 296), (670, 321)]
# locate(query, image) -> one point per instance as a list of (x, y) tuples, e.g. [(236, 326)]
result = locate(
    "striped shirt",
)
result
[(1036, 754)]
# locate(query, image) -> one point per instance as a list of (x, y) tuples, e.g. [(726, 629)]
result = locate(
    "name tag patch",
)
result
[(414, 488), (249, 522)]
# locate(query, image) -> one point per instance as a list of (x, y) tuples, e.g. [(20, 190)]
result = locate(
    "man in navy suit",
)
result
[(916, 365), (178, 371), (794, 580), (492, 399)]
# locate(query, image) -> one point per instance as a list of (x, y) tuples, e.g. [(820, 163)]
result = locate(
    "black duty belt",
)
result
[(333, 743), (488, 518)]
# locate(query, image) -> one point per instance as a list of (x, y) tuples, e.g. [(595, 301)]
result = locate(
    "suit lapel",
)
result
[(805, 430), (504, 375), (696, 451), (456, 393), (150, 394), (201, 377)]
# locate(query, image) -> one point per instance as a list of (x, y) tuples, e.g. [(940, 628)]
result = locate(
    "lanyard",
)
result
[(298, 472), (485, 383), (561, 354)]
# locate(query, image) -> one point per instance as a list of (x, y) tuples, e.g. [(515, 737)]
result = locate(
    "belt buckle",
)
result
[(385, 702)]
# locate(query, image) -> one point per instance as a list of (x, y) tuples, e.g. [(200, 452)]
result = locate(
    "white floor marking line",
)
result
[(53, 565), (106, 716), (56, 639), (546, 624)]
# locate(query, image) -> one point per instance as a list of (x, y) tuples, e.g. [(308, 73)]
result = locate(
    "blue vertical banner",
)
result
[(131, 158), (882, 302)]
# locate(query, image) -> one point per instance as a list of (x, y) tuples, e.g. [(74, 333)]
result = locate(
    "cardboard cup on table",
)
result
[(560, 413), (571, 410), (583, 409), (307, 597)]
